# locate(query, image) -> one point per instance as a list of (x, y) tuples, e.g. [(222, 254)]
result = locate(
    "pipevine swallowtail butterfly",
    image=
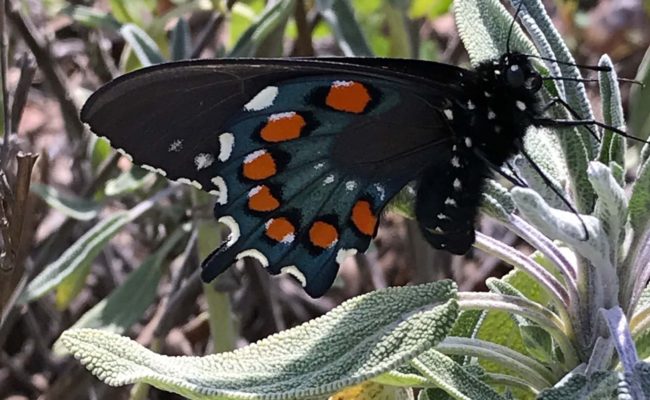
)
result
[(302, 155)]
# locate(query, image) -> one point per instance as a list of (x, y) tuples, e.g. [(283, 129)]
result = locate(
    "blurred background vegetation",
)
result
[(92, 250)]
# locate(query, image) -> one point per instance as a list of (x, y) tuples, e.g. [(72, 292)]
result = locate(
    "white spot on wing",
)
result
[(350, 185), (254, 156), (221, 191), (487, 94), (279, 116), (175, 146), (491, 114), (442, 216), (123, 152), (521, 105), (328, 179), (159, 171), (342, 83), (343, 254), (264, 99), (288, 238), (233, 226), (203, 160), (254, 253), (184, 180), (468, 142), (226, 143), (196, 184), (514, 68), (470, 105), (457, 184), (381, 191), (254, 191), (295, 272), (450, 202), (319, 165), (455, 162), (449, 113)]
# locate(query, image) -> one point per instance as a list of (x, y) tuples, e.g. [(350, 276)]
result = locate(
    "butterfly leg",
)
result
[(558, 100), (568, 123)]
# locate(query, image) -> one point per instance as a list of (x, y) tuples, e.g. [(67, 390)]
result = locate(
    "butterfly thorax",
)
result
[(501, 105)]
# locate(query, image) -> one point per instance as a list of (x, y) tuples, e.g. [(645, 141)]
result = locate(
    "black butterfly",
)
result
[(302, 155)]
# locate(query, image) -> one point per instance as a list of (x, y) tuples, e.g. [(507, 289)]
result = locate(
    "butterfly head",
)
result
[(517, 72)]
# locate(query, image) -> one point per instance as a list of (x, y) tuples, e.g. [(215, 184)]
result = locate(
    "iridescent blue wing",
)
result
[(302, 155)]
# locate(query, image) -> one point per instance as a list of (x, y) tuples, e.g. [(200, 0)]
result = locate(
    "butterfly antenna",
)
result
[(557, 192), (568, 123), (591, 80), (574, 114), (599, 68), (512, 26)]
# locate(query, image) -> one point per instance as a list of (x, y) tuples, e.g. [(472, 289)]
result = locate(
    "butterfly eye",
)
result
[(515, 76), (533, 82)]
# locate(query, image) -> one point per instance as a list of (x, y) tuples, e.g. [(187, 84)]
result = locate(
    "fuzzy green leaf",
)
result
[(451, 377), (339, 15), (483, 26), (612, 146), (361, 339), (91, 17), (76, 257), (144, 47), (545, 150), (642, 376), (496, 201), (181, 46), (126, 304), (66, 203), (639, 205), (272, 18), (405, 375), (537, 341), (611, 207), (601, 385), (640, 100), (129, 181), (566, 226)]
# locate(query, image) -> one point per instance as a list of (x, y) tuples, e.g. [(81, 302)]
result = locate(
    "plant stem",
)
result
[(526, 308), (549, 283), (535, 373)]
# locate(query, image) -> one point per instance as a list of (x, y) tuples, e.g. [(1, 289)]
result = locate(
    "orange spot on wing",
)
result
[(280, 230), (323, 235), (260, 198), (363, 217), (259, 165), (348, 96), (281, 127)]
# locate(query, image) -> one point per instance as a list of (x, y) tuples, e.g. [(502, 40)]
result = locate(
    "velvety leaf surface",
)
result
[(599, 386), (362, 338)]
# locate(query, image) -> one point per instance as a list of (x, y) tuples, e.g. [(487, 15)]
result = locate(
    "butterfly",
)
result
[(302, 155)]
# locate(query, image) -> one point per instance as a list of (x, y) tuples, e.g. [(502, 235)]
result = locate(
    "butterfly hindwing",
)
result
[(301, 157)]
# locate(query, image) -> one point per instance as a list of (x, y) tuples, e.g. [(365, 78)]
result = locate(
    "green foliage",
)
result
[(362, 338)]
